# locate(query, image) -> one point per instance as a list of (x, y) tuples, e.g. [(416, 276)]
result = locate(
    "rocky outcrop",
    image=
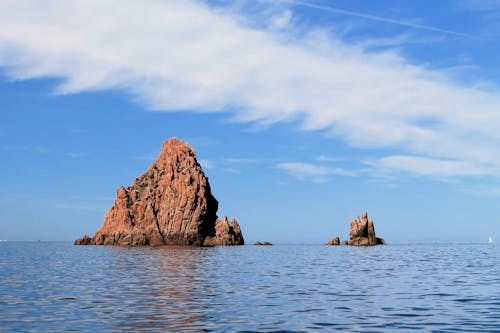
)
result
[(334, 241), (170, 204), (263, 243), (362, 232), (226, 233), (85, 240)]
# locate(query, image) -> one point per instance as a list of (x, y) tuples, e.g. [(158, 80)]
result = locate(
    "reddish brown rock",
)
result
[(170, 204), (263, 243), (226, 233), (334, 241), (362, 232), (85, 240)]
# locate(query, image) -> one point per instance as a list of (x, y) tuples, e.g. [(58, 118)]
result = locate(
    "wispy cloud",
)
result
[(423, 166), (207, 164), (146, 156), (340, 11), (212, 62), (78, 154), (28, 149), (311, 172), (239, 160), (491, 7), (483, 190), (325, 158), (281, 20)]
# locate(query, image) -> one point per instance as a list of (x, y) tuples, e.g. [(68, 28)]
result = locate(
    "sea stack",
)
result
[(170, 204), (363, 232)]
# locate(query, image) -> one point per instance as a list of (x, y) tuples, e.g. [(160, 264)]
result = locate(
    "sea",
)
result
[(58, 287)]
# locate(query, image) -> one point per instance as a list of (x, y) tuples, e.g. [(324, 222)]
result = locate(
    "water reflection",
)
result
[(163, 287)]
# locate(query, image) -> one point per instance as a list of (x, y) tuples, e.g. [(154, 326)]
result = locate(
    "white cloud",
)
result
[(27, 149), (314, 173), (183, 55), (325, 158), (239, 160), (207, 164), (422, 166), (484, 190), (76, 154), (282, 20), (489, 6)]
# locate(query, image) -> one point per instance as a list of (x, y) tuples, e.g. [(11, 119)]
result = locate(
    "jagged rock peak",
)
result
[(170, 204), (363, 232)]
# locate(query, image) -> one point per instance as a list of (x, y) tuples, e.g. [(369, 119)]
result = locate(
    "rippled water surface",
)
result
[(48, 287)]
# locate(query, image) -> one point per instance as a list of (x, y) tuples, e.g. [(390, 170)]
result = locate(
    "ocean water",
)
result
[(58, 287)]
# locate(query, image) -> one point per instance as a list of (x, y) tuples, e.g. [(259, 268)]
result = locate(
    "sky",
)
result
[(303, 114)]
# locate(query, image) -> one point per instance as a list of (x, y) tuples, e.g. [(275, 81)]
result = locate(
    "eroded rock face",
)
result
[(362, 232), (170, 204)]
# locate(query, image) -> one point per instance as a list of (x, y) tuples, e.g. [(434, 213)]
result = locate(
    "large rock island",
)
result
[(170, 204)]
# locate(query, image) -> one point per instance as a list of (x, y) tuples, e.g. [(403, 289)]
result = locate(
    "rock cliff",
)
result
[(170, 204)]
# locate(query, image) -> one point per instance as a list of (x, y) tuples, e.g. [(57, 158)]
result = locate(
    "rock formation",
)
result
[(85, 240), (226, 233), (334, 241), (170, 204), (263, 243), (363, 232)]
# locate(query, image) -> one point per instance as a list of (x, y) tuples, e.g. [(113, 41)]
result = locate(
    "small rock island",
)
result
[(258, 243), (170, 204), (362, 234)]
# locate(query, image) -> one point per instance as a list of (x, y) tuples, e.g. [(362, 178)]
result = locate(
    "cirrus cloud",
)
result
[(311, 172)]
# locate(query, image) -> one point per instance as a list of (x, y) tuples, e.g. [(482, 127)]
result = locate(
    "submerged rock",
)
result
[(170, 204)]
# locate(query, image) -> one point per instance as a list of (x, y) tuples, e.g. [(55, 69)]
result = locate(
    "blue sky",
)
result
[(303, 113)]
